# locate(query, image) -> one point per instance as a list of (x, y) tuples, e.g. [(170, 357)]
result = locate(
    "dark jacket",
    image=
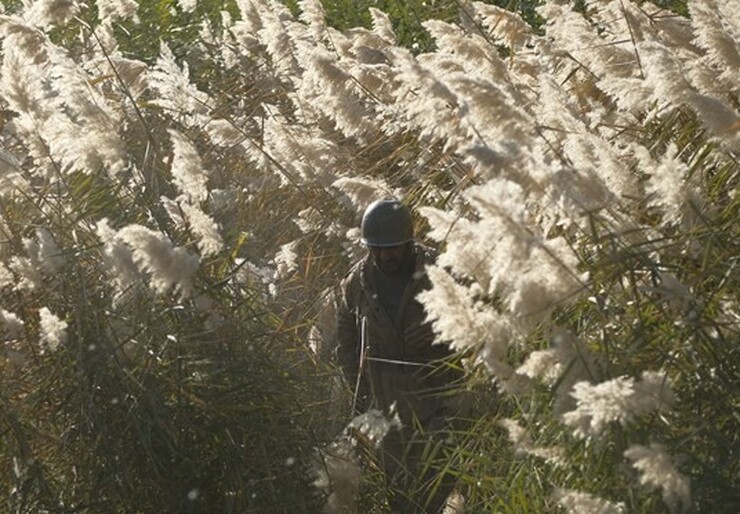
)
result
[(402, 365)]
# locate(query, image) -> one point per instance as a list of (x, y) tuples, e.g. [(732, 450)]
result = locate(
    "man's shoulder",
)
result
[(352, 281)]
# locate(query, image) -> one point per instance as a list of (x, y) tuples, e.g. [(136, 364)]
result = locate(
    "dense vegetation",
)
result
[(180, 187)]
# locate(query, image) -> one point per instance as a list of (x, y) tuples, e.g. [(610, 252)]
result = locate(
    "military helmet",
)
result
[(387, 223)]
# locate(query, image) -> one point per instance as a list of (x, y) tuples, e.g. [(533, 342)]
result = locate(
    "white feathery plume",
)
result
[(363, 191), (338, 475), (479, 114), (555, 112), (351, 43), (310, 220), (187, 5), (617, 400), (567, 361), (86, 137), (231, 56), (606, 59), (374, 425), (42, 255), (465, 251), (245, 31), (176, 93), (548, 280), (668, 188), (130, 72), (505, 26), (576, 363), (12, 182), (275, 151), (382, 25), (332, 91), (598, 405), (676, 32), (44, 12), (502, 139), (502, 253), (52, 330), (47, 252), (105, 43), (258, 154), (275, 35), (362, 55), (343, 42), (546, 365), (611, 164), (303, 154), (658, 471), (119, 259), (532, 275), (27, 274), (224, 133), (312, 13), (476, 56), (61, 113), (188, 172), (6, 277), (502, 231), (24, 49), (459, 319), (579, 502), (173, 210), (712, 22), (571, 194), (427, 103), (665, 76), (223, 201), (575, 37), (523, 444), (720, 118), (653, 391), (286, 260), (153, 252), (11, 326), (204, 228), (113, 10)]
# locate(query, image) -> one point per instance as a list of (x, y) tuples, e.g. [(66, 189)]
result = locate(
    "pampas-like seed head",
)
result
[(579, 502), (154, 253), (112, 10), (52, 330), (11, 326), (187, 168), (658, 471)]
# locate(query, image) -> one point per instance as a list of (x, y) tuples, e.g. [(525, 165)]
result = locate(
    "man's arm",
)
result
[(347, 349)]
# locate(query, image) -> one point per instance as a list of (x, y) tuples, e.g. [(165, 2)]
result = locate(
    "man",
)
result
[(385, 348)]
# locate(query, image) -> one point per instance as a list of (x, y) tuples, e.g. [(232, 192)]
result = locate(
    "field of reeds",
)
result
[(181, 184)]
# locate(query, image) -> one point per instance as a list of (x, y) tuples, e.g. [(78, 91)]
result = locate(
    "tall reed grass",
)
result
[(180, 190)]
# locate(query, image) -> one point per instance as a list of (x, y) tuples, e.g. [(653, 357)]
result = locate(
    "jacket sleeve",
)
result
[(347, 348)]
